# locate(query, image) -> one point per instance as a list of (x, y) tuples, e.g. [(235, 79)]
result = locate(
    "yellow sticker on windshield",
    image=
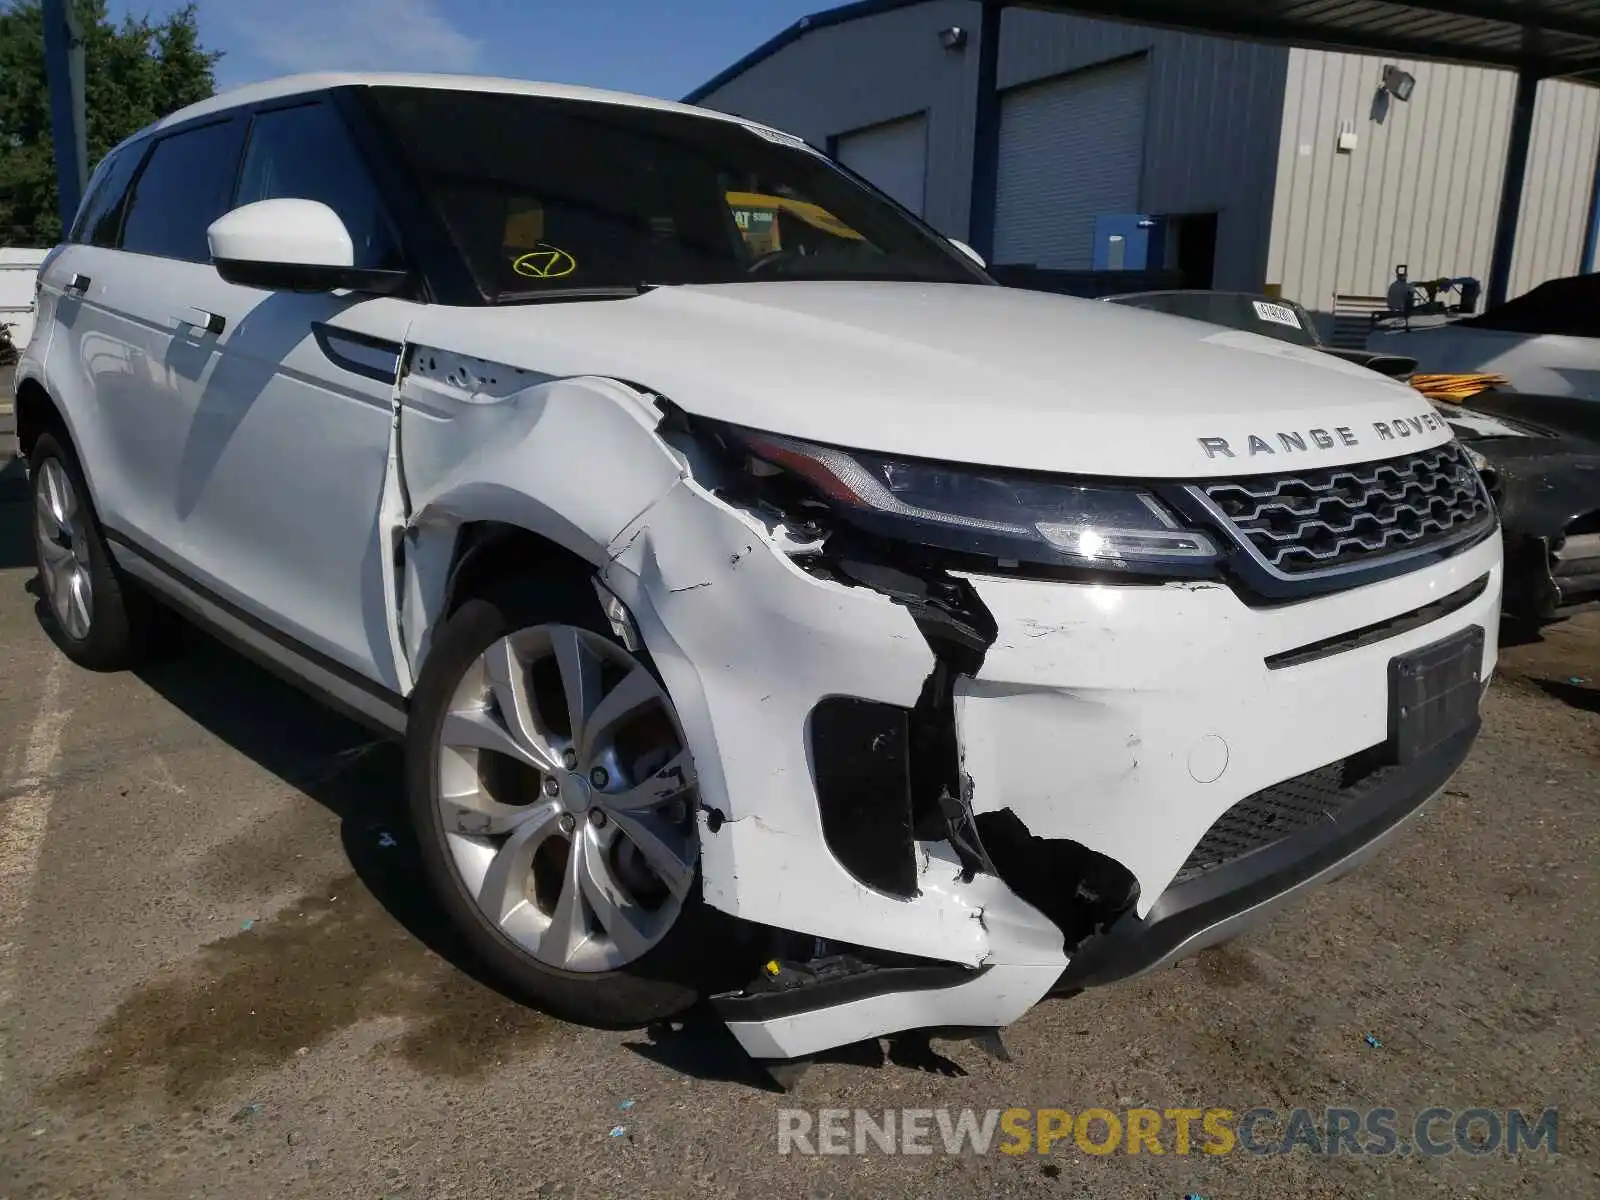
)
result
[(546, 262), (524, 225)]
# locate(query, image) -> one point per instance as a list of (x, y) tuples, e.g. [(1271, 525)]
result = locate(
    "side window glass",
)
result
[(100, 217), (305, 153), (182, 189)]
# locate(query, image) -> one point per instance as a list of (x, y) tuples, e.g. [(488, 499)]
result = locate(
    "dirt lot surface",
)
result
[(218, 978)]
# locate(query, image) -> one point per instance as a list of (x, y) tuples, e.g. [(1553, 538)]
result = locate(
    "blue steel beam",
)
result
[(985, 136), (63, 58), (1591, 235), (1516, 171)]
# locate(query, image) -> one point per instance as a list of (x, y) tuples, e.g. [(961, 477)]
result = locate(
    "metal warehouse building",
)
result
[(1262, 165)]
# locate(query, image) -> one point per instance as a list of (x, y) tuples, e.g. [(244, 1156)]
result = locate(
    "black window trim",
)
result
[(439, 279), (443, 274), (138, 149), (205, 120), (99, 178)]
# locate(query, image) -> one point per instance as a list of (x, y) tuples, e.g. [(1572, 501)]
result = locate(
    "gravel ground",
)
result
[(218, 978)]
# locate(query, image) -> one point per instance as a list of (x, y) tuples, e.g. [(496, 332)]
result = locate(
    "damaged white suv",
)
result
[(774, 608)]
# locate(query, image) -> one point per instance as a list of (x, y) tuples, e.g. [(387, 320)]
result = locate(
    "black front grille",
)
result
[(1319, 797), (1321, 519)]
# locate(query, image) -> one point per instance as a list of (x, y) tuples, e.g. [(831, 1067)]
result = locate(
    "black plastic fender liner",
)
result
[(895, 776), (1081, 890), (941, 790)]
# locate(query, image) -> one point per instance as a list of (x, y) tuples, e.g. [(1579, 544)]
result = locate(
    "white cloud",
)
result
[(355, 35)]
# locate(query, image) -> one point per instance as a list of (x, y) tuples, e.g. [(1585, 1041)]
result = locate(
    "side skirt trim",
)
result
[(318, 675)]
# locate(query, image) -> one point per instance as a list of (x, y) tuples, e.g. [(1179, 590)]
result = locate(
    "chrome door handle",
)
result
[(203, 321), (78, 284)]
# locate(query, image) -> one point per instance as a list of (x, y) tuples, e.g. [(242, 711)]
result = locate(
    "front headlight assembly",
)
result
[(1010, 516)]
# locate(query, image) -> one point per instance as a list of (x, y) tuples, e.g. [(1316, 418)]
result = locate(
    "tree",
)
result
[(134, 74)]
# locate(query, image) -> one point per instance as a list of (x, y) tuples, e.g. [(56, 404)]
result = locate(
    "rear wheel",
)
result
[(554, 799), (97, 620)]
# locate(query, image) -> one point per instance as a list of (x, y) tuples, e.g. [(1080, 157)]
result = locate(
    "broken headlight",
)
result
[(1011, 516)]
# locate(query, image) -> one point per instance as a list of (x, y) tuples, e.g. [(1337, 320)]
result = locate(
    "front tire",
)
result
[(94, 617), (553, 797)]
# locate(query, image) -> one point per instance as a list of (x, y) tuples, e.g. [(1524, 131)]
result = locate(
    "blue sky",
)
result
[(657, 47)]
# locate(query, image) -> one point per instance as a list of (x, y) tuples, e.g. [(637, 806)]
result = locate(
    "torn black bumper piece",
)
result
[(786, 989)]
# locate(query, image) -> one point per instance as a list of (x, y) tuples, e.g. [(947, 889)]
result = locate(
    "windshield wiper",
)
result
[(553, 295), (842, 275)]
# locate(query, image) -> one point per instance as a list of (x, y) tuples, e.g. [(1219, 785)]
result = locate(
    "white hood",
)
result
[(986, 375)]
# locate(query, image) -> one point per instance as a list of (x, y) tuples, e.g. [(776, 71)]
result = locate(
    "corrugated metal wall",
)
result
[(1422, 186), (1556, 196), (873, 69), (1215, 108)]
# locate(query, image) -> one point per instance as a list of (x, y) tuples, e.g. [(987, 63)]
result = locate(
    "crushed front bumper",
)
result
[(1106, 730), (1217, 904)]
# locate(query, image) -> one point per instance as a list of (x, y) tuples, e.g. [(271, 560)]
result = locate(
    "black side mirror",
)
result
[(1395, 366), (305, 277)]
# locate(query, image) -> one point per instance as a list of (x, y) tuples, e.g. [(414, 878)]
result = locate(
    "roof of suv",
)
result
[(293, 85)]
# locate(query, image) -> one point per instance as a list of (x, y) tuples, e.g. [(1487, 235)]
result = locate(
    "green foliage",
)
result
[(134, 74)]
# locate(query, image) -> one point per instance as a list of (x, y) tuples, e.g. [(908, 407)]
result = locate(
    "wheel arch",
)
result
[(491, 478), (488, 552), (451, 562), (38, 413)]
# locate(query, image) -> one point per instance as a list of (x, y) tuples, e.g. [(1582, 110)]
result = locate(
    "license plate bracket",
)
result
[(1434, 693)]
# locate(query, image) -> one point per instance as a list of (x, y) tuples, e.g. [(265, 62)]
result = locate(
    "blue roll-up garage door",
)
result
[(1071, 148)]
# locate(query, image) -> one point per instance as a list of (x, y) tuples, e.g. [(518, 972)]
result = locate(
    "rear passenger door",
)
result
[(276, 410), (115, 291), (71, 327)]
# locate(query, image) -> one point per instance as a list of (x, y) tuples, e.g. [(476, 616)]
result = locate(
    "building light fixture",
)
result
[(1398, 83)]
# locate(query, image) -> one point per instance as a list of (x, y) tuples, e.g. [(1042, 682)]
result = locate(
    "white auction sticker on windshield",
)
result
[(1278, 314)]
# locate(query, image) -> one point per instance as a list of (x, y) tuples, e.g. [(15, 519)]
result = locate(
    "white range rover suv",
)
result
[(774, 609)]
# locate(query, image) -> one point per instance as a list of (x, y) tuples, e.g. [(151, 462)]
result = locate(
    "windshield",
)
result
[(543, 194), (1281, 319)]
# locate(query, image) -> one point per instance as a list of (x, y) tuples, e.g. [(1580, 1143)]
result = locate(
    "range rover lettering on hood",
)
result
[(1295, 441)]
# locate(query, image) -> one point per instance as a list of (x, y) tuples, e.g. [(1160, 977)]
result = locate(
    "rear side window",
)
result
[(305, 153), (184, 187), (100, 218)]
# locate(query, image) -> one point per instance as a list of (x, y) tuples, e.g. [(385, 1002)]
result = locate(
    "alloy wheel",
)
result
[(63, 549), (566, 794)]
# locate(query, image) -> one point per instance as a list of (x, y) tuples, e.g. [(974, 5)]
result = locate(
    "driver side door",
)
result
[(280, 407)]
